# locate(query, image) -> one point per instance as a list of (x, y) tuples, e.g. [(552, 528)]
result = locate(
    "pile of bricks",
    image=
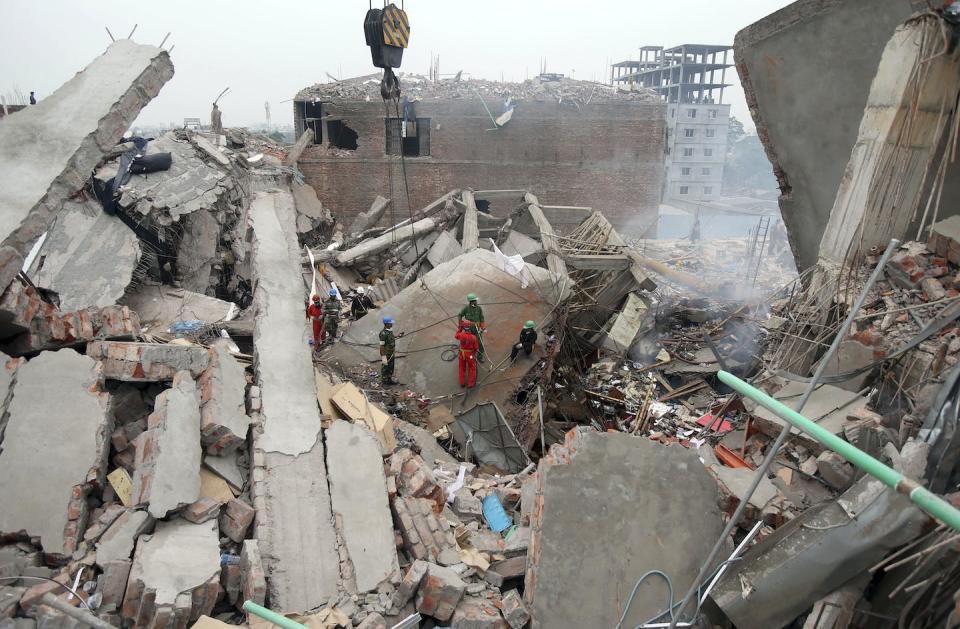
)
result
[(458, 571), (43, 326)]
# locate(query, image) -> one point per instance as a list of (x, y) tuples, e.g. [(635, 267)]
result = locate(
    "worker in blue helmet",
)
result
[(331, 316), (388, 350)]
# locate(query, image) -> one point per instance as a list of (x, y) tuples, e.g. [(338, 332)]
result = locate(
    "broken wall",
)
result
[(806, 72), (602, 155)]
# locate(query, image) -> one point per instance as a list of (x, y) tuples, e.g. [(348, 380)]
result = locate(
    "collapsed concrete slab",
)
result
[(826, 546), (427, 310), (175, 576), (167, 467), (54, 448), (147, 362), (116, 543), (610, 507), (223, 415), (358, 492), (294, 524), (88, 257), (160, 306), (50, 148)]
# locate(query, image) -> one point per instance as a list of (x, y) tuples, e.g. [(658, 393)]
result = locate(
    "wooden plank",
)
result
[(547, 236), (471, 229), (355, 405)]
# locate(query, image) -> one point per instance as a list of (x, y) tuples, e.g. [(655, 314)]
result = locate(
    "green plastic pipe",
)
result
[(274, 617), (930, 502)]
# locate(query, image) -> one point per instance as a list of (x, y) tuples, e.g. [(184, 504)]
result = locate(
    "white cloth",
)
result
[(514, 265)]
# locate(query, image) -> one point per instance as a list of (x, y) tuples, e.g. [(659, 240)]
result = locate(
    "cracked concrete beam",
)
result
[(49, 149)]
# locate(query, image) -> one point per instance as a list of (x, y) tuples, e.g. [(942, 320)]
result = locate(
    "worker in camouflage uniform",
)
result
[(331, 316), (472, 315), (388, 349)]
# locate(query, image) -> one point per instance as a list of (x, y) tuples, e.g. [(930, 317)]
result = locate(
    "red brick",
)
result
[(440, 592), (608, 156), (236, 519)]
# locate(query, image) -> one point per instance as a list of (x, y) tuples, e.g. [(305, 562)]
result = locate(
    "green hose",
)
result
[(274, 617)]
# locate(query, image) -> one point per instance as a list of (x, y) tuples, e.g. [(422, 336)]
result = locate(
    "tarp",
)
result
[(484, 433)]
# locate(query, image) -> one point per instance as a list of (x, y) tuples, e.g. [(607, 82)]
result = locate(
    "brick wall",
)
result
[(606, 156)]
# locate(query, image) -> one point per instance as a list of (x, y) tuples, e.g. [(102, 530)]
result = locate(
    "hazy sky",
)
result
[(267, 51)]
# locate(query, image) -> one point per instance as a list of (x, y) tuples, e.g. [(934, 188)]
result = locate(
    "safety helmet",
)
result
[(529, 325), (333, 292), (360, 290), (472, 297), (316, 298), (388, 321)]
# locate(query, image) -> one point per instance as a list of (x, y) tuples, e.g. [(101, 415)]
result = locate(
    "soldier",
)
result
[(388, 348), (472, 315), (331, 316)]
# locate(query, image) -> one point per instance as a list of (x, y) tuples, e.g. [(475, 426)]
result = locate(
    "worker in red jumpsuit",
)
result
[(315, 314), (468, 355)]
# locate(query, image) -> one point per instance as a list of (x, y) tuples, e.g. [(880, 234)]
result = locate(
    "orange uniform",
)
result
[(468, 358)]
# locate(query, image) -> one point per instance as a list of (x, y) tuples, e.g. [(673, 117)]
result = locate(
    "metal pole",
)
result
[(80, 615), (761, 471), (271, 616), (930, 502), (543, 441)]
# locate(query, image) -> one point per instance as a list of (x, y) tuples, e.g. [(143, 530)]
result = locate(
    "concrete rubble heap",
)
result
[(174, 440)]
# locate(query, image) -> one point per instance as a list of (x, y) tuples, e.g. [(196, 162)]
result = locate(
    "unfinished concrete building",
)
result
[(570, 142), (691, 79)]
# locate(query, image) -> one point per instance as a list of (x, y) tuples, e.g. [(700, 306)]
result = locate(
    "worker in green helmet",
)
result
[(472, 316), (528, 336)]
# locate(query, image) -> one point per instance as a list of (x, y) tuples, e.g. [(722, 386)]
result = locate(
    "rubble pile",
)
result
[(214, 392), (418, 87)]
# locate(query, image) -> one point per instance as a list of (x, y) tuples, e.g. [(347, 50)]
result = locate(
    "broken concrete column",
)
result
[(387, 240), (358, 493), (54, 448), (167, 467), (586, 506), (50, 148), (366, 220), (175, 575), (289, 476), (147, 362), (471, 229), (223, 415)]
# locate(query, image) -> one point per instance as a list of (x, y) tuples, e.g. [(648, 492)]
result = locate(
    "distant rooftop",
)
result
[(419, 87)]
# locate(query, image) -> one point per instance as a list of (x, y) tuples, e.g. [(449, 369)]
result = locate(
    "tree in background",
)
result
[(747, 170)]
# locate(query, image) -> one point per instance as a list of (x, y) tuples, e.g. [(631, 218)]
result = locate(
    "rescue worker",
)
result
[(528, 336), (331, 317), (468, 355), (472, 315), (315, 314), (388, 348), (361, 304)]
